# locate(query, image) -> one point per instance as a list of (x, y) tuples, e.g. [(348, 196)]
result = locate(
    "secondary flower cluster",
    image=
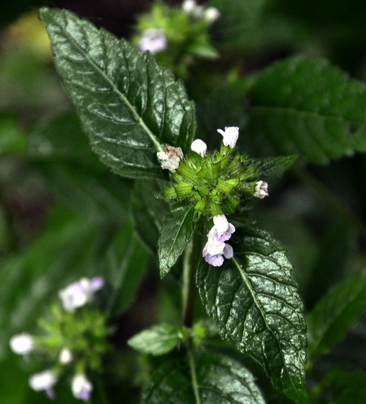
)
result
[(65, 339)]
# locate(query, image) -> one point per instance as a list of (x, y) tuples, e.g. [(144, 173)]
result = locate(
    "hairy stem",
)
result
[(192, 368), (331, 200)]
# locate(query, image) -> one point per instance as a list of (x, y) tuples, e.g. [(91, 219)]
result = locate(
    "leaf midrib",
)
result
[(123, 98)]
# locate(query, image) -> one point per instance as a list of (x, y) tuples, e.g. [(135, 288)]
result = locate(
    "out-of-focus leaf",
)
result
[(124, 266), (309, 108), (255, 303), (148, 212), (128, 104), (336, 313), (220, 380), (156, 340), (12, 139), (274, 167), (176, 233)]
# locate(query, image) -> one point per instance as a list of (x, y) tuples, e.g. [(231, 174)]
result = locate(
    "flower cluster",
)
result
[(216, 249), (71, 337)]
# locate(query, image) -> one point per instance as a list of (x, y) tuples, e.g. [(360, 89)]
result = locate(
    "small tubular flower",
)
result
[(261, 190), (215, 249), (230, 135), (199, 147), (153, 40), (81, 387), (22, 344), (79, 293), (44, 381), (170, 158)]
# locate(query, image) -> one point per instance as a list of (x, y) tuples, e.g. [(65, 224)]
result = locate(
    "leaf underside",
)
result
[(220, 380), (254, 300), (309, 108), (176, 233), (129, 105)]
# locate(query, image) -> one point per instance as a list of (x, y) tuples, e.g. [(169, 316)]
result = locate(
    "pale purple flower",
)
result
[(230, 135), (199, 147), (153, 40), (170, 158), (215, 249), (81, 387), (79, 293), (22, 344), (44, 381), (261, 190)]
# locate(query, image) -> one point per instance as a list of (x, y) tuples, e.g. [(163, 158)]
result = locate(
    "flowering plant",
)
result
[(160, 191)]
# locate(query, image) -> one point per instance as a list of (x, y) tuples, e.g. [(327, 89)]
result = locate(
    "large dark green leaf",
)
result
[(307, 107), (272, 168), (336, 313), (219, 380), (128, 104), (254, 300), (176, 233)]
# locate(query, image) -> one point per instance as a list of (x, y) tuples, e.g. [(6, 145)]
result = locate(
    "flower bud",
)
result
[(65, 356), (81, 387), (211, 14), (199, 146), (22, 344), (261, 190)]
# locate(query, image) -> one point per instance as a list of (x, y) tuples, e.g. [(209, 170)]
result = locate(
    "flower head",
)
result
[(261, 190), (170, 158), (215, 250), (199, 146), (79, 293), (22, 344), (43, 381), (153, 40), (230, 135), (81, 387)]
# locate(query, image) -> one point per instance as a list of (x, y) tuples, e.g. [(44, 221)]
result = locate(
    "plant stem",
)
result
[(192, 367), (331, 200), (191, 257)]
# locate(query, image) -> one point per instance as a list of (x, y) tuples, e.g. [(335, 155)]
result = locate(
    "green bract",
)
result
[(219, 183)]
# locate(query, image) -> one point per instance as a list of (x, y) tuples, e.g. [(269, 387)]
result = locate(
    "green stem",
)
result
[(192, 367), (331, 200), (191, 257)]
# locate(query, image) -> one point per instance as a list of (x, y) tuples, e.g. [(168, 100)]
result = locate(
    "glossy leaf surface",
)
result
[(220, 380), (129, 105), (255, 303), (309, 108)]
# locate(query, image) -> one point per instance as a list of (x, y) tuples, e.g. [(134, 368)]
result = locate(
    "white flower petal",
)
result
[(22, 344)]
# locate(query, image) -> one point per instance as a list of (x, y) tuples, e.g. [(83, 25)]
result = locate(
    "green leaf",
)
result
[(307, 107), (255, 303), (157, 340), (272, 168), (124, 266), (12, 140), (220, 380), (176, 233), (129, 105), (336, 313), (148, 211)]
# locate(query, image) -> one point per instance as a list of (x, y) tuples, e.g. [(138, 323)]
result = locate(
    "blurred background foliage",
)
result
[(63, 215)]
